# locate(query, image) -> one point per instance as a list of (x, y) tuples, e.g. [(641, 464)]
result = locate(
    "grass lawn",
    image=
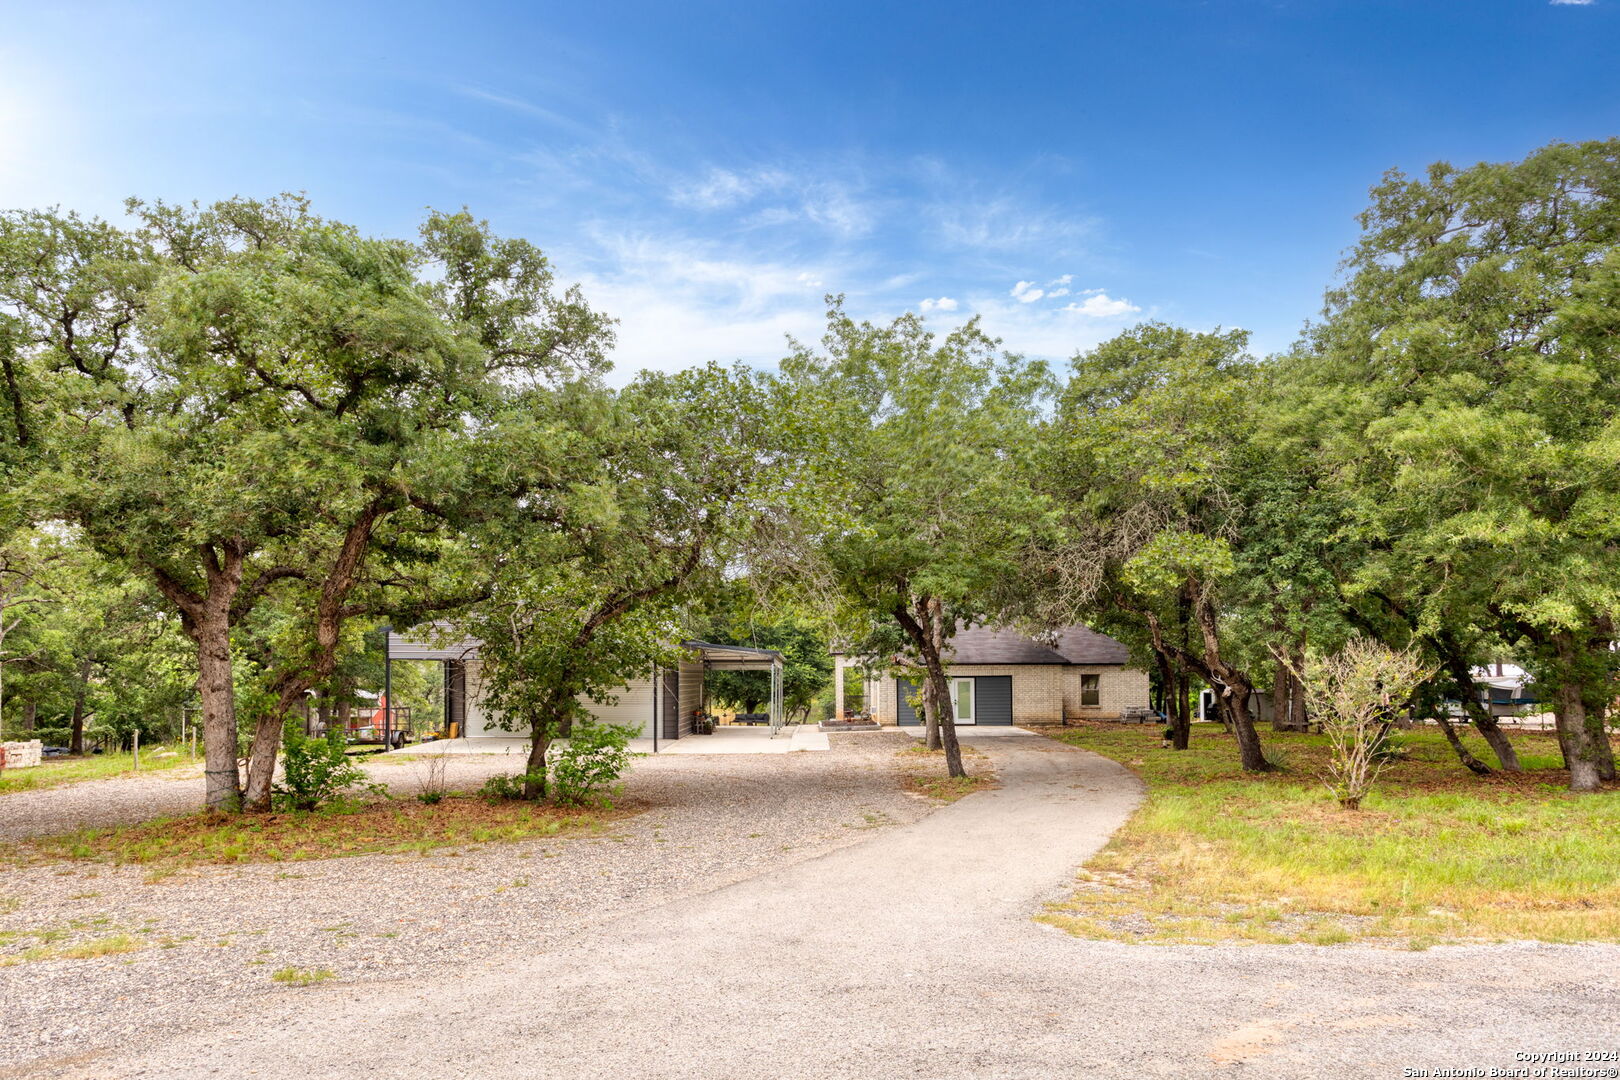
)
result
[(1435, 855), (168, 844), (55, 772)]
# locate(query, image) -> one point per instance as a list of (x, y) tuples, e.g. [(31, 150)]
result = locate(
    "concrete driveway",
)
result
[(914, 954)]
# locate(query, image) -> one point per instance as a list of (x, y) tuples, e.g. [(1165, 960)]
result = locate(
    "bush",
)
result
[(316, 770), (595, 757), (1357, 693), (504, 786)]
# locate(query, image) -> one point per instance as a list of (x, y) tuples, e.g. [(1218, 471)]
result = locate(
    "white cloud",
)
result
[(1002, 223), (778, 197), (1025, 292), (682, 301), (1099, 305), (1573, 3), (722, 188), (944, 303)]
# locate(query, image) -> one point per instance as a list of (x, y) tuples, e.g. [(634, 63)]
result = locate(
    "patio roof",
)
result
[(734, 657)]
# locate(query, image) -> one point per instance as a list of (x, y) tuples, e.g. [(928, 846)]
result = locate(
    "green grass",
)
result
[(1435, 855), (167, 845), (79, 939), (291, 976), (57, 772)]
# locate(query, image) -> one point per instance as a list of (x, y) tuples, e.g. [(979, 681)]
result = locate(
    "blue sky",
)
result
[(709, 171)]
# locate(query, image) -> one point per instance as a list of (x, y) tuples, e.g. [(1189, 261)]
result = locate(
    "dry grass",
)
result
[(923, 771), (1436, 854), (386, 827)]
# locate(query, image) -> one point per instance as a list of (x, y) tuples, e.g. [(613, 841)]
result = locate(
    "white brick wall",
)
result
[(1043, 693), (23, 755)]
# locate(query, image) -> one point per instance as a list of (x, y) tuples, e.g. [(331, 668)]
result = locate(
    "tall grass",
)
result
[(1435, 854)]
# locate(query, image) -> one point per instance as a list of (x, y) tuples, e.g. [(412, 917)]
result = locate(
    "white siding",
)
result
[(633, 707)]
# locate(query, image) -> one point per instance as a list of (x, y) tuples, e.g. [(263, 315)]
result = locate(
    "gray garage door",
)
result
[(991, 693)]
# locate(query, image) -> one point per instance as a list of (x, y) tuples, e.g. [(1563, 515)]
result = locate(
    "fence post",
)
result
[(137, 749)]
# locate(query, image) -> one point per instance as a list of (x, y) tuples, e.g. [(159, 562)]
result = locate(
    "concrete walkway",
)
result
[(727, 739), (914, 954)]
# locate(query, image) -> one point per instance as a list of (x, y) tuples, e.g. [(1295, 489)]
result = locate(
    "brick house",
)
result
[(1004, 677)]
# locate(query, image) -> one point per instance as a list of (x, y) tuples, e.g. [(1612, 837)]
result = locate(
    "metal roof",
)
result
[(734, 654)]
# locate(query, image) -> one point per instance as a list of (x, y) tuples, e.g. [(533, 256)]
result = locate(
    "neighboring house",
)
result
[(1004, 677), (661, 705)]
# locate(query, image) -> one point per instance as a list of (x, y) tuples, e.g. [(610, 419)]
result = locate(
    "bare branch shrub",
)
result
[(1356, 693), (430, 767)]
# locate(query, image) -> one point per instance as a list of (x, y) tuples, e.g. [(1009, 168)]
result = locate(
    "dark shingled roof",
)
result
[(1070, 645)]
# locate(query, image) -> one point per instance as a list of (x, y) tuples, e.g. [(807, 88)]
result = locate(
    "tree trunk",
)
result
[(30, 715), (223, 782), (1232, 688), (1597, 727), (261, 768), (1280, 696), (76, 723), (926, 629), (556, 722), (1234, 702), (1184, 709), (1462, 679), (930, 708), (293, 683), (534, 770), (1175, 701), (1469, 761), (323, 714), (1581, 753)]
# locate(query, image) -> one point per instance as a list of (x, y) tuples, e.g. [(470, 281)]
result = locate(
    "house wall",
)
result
[(691, 693), (1043, 693), (1117, 687), (633, 707)]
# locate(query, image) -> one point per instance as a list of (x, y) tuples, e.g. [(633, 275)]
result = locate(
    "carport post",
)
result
[(388, 684), (838, 688)]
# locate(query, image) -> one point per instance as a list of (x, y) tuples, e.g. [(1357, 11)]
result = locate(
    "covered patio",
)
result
[(666, 705)]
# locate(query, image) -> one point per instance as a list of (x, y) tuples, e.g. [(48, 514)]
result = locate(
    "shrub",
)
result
[(316, 770), (504, 786), (1357, 693), (587, 768)]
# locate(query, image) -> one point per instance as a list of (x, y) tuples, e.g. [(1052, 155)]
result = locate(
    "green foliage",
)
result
[(921, 451), (633, 502), (585, 771), (506, 786), (807, 664), (316, 770)]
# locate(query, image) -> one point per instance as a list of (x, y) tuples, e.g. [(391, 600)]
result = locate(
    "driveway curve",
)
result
[(914, 954)]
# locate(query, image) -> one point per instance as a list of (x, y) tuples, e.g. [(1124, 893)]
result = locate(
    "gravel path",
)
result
[(911, 954), (129, 799), (214, 935)]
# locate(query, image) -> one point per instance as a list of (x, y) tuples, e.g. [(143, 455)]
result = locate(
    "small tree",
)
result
[(1356, 692)]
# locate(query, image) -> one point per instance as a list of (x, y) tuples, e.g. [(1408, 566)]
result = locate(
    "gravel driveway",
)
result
[(911, 954), (218, 933)]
